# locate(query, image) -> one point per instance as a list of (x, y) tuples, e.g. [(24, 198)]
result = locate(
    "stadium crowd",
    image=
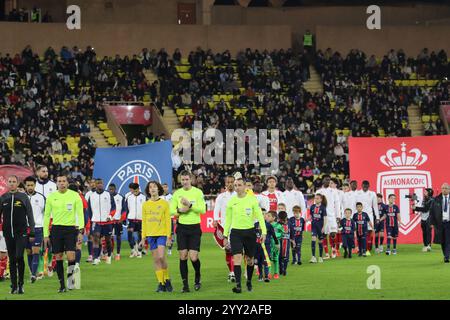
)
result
[(46, 99)]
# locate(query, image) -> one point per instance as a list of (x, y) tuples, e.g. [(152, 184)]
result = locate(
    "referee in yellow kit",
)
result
[(66, 210)]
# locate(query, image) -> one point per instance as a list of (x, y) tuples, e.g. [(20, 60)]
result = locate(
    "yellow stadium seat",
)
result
[(211, 104), (230, 97), (259, 111), (224, 97), (216, 98), (103, 126), (108, 133), (426, 118), (421, 83), (405, 83), (112, 140), (183, 111), (146, 98), (398, 82), (341, 177), (347, 132), (309, 183), (184, 61), (185, 75), (413, 76), (434, 117), (241, 90), (181, 68)]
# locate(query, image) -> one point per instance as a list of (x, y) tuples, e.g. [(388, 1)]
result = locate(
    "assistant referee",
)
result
[(241, 213), (66, 210)]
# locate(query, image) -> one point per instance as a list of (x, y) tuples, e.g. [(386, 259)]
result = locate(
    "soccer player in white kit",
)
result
[(292, 198), (333, 215), (275, 196), (370, 205), (334, 184), (220, 207)]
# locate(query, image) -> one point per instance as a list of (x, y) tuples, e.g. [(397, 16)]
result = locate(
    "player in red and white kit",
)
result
[(333, 215), (275, 196), (370, 205), (219, 218)]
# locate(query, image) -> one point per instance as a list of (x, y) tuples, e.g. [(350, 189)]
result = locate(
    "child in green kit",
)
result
[(275, 251)]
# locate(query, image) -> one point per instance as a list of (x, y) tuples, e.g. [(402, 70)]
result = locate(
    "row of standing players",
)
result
[(350, 219), (107, 210)]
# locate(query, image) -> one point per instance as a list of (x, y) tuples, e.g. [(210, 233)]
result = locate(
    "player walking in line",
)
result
[(319, 222), (297, 226), (379, 225), (275, 196), (66, 209), (101, 210), (392, 218), (362, 221), (37, 201), (188, 203), (133, 208), (118, 218), (17, 215), (333, 216), (368, 199), (168, 197), (89, 231), (242, 212), (44, 186), (156, 228), (220, 207), (348, 233)]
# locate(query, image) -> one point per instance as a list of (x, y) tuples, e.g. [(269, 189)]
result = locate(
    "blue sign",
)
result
[(139, 164)]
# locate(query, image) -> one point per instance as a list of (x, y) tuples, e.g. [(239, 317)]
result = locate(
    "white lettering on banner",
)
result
[(404, 182), (209, 222), (74, 20)]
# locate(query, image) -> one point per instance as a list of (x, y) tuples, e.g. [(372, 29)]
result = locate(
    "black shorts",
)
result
[(64, 238), (243, 240), (189, 236), (136, 225)]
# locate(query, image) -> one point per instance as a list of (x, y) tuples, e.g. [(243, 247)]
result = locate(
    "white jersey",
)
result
[(349, 201), (37, 201), (118, 199), (275, 198), (220, 206), (45, 188), (133, 205), (369, 202), (341, 203), (167, 197), (263, 201), (101, 206), (294, 198), (333, 204), (88, 194)]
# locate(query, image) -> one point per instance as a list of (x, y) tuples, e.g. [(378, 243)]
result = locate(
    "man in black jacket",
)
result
[(440, 220), (17, 214)]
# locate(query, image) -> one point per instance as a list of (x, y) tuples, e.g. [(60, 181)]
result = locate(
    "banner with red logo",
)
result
[(130, 114), (8, 170), (402, 166)]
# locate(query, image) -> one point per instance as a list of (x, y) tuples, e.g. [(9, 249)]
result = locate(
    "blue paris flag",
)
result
[(139, 164)]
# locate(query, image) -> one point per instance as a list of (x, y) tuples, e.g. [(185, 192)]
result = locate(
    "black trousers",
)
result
[(16, 246), (445, 244), (426, 232)]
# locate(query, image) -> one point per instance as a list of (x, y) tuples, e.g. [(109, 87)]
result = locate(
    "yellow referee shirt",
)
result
[(156, 218)]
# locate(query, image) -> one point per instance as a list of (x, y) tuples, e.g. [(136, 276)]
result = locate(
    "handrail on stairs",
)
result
[(444, 113), (113, 125)]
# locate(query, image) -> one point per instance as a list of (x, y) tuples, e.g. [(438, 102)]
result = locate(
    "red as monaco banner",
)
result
[(402, 166), (131, 114), (8, 170)]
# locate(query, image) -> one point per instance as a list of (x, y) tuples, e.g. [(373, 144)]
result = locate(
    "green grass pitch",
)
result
[(411, 274)]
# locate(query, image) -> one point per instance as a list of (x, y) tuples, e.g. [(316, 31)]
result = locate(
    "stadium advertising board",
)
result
[(131, 114), (401, 166)]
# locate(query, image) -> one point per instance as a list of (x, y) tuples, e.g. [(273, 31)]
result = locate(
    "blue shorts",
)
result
[(316, 230), (102, 229), (117, 227), (135, 225), (392, 231), (379, 227), (155, 242), (38, 238)]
